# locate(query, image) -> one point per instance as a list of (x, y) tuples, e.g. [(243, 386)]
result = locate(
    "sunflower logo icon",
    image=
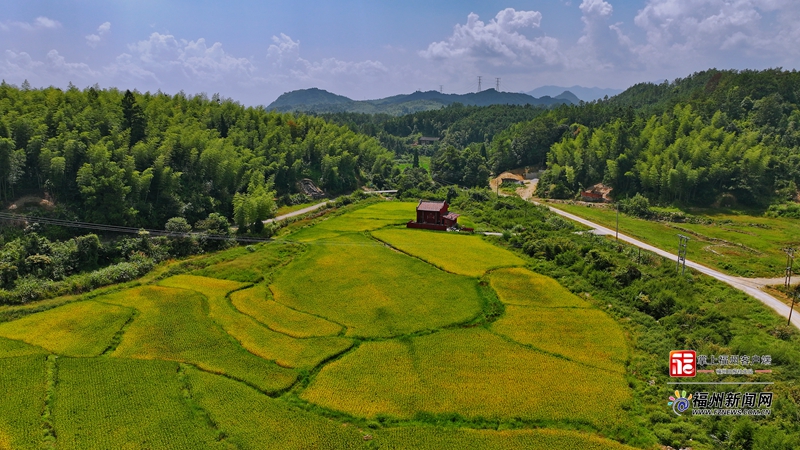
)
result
[(680, 402)]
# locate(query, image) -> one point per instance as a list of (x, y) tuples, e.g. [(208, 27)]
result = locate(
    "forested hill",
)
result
[(715, 136), (139, 159), (320, 101)]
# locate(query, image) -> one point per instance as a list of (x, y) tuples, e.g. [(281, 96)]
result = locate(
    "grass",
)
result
[(76, 329), (373, 290), (257, 302), (251, 420), (459, 438), (470, 372), (104, 403), (252, 335), (286, 209), (735, 242), (424, 162), (456, 253), (173, 324), (23, 386)]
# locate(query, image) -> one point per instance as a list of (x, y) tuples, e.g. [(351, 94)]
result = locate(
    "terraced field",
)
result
[(354, 333)]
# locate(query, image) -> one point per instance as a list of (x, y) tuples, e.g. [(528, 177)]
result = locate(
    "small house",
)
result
[(590, 196), (427, 140), (432, 215)]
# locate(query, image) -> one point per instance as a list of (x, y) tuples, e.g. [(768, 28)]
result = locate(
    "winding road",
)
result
[(750, 286)]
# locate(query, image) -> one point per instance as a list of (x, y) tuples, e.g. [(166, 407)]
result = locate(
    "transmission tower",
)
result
[(497, 81), (682, 253), (479, 83), (441, 89)]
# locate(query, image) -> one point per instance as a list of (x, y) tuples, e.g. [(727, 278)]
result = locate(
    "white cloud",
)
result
[(603, 44), (93, 39), (39, 23), (697, 28), (498, 42), (20, 65), (284, 56)]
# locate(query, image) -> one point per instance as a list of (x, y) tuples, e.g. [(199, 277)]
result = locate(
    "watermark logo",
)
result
[(682, 363), (680, 402)]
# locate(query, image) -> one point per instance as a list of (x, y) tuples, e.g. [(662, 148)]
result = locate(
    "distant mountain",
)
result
[(583, 93), (320, 101), (569, 96)]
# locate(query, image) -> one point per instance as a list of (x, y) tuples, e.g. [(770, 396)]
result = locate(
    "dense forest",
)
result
[(716, 137), (139, 159)]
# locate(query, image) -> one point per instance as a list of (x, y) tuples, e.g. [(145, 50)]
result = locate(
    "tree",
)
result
[(182, 244)]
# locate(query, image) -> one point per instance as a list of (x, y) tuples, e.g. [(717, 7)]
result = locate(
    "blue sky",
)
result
[(252, 51)]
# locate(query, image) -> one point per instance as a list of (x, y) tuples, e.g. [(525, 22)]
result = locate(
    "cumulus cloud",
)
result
[(603, 44), (20, 65), (93, 39), (195, 60), (498, 42), (284, 56), (752, 28)]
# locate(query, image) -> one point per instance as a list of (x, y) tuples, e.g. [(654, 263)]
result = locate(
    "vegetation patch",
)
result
[(251, 420), (460, 438), (521, 287), (257, 302), (369, 218), (173, 324), (373, 290), (10, 348), (465, 255), (470, 372), (23, 386), (252, 335), (250, 267), (584, 335), (75, 329), (103, 403)]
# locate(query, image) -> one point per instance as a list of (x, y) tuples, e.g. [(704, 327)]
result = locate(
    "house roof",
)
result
[(427, 205), (451, 216)]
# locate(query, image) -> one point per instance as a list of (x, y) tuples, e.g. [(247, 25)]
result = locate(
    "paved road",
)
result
[(750, 286), (298, 212)]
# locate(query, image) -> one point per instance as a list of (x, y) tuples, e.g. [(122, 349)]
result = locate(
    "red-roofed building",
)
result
[(433, 215)]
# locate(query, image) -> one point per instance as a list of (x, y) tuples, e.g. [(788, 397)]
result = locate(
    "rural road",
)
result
[(750, 286), (307, 209)]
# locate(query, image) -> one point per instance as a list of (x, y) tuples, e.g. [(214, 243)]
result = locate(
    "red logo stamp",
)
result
[(682, 363)]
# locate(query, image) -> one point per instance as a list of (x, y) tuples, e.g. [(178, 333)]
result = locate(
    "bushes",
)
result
[(29, 288)]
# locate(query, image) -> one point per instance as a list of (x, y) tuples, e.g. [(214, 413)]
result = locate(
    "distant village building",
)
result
[(427, 140), (433, 215), (599, 193), (589, 196)]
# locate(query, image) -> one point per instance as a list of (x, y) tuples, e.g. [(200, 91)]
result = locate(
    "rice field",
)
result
[(372, 217), (412, 438), (521, 287), (257, 302), (75, 329), (341, 341), (10, 348), (173, 324), (470, 372), (456, 253), (23, 386), (256, 338), (105, 403), (250, 267), (251, 420), (373, 290)]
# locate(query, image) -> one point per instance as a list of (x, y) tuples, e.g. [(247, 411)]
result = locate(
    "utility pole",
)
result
[(683, 240), (791, 309), (616, 235), (479, 83), (789, 261), (497, 80)]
